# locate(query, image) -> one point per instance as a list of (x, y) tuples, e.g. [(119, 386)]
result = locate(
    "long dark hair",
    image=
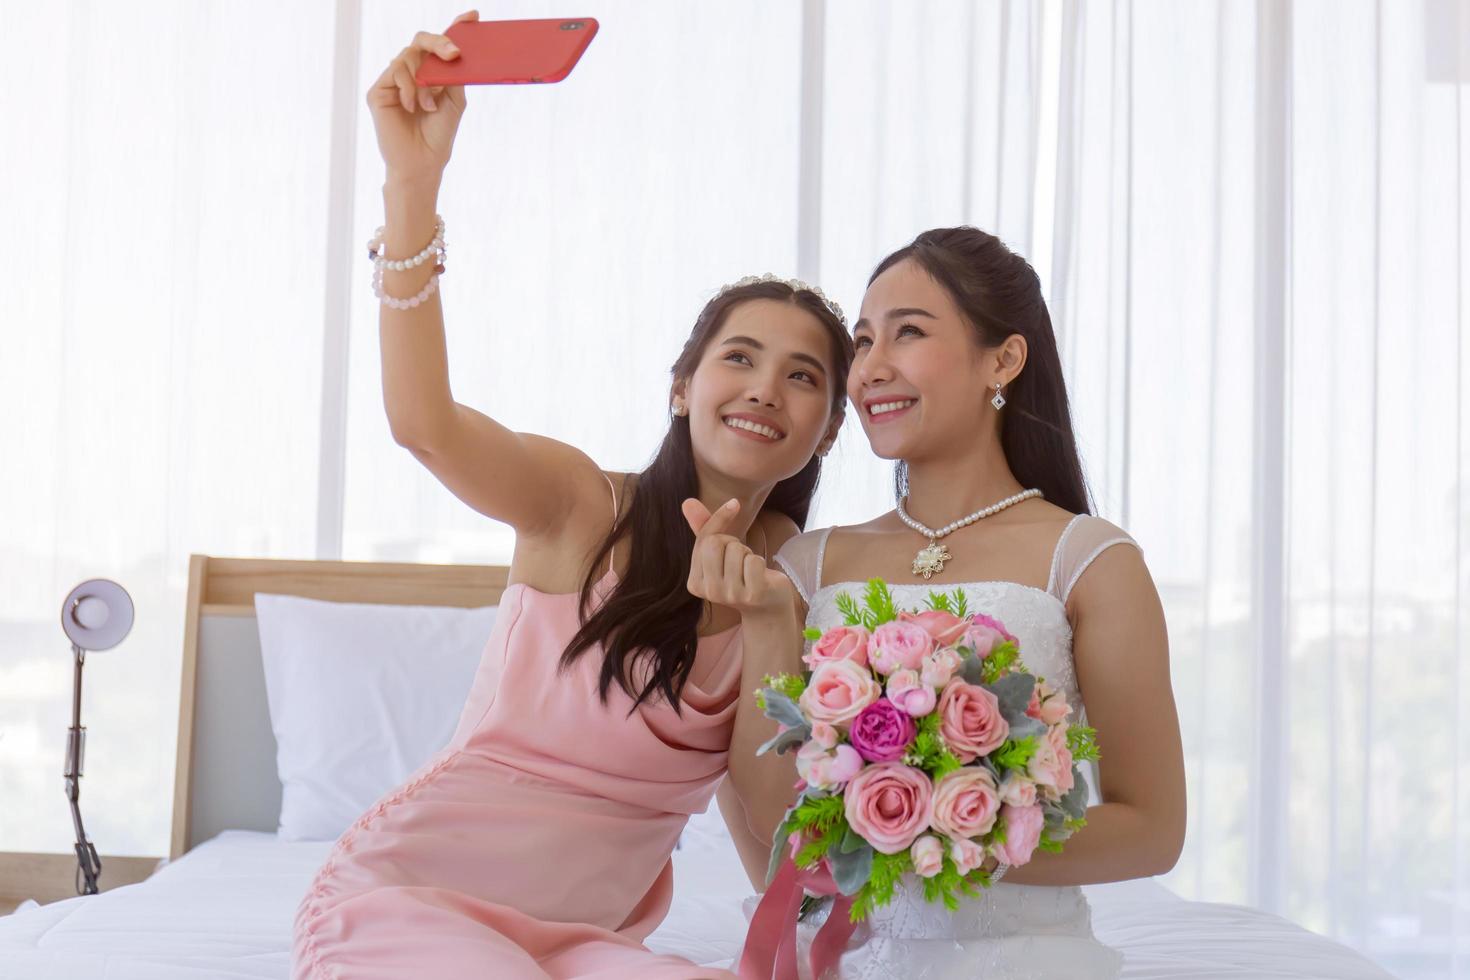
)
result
[(649, 623), (1000, 294)]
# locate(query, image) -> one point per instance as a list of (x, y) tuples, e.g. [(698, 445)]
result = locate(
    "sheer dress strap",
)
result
[(1084, 539)]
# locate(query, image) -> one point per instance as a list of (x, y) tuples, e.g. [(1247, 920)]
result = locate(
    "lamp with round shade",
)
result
[(96, 616)]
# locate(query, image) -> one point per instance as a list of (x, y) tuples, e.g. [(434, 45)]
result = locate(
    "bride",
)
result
[(957, 376)]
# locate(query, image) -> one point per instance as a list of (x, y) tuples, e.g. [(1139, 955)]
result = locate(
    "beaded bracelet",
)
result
[(406, 304), (381, 261)]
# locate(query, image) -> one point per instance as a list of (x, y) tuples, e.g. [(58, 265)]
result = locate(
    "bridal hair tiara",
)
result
[(795, 284)]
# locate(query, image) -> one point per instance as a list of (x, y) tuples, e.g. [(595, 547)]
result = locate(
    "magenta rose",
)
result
[(881, 732), (838, 690), (944, 628), (839, 643), (898, 646), (1023, 833), (965, 803), (970, 720), (889, 804)]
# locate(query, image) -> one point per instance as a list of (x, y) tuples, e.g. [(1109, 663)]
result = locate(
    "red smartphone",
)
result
[(510, 52)]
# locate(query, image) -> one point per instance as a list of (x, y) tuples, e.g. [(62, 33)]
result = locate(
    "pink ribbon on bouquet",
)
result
[(770, 943)]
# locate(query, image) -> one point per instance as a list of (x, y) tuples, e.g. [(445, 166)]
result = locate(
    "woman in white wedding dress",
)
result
[(957, 376)]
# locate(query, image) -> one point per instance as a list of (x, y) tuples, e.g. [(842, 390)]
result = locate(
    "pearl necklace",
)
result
[(932, 557)]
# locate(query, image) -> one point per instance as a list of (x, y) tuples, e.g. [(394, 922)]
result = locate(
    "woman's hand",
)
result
[(416, 124), (726, 572)]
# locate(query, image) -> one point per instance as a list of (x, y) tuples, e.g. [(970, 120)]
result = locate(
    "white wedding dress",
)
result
[(1012, 932)]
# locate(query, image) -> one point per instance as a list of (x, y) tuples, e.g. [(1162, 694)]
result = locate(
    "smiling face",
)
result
[(759, 401), (920, 380)]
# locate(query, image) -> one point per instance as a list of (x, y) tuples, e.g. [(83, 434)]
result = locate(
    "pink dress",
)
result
[(536, 844)]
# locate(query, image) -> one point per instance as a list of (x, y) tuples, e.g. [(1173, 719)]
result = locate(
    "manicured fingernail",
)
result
[(730, 504), (450, 49)]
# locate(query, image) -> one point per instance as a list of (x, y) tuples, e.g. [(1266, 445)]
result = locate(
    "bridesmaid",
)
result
[(537, 843)]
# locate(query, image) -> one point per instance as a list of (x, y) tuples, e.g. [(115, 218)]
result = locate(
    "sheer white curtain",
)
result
[(1258, 284), (162, 170)]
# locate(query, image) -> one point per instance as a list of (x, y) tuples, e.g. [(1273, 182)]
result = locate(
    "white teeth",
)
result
[(756, 427), (891, 406)]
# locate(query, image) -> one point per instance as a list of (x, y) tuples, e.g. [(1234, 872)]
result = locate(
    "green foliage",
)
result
[(948, 886), (848, 606), (1082, 742), (1015, 753), (880, 604), (812, 633), (1000, 661), (955, 603), (816, 815), (791, 685), (887, 870), (928, 751)]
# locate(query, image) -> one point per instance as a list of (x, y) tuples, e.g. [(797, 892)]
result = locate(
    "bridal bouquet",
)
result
[(924, 746)]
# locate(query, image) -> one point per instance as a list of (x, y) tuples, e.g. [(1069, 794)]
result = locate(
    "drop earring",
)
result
[(999, 401)]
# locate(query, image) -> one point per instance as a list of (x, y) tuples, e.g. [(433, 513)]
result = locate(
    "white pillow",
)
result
[(360, 695)]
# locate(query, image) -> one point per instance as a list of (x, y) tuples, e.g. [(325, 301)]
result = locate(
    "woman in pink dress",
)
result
[(536, 843)]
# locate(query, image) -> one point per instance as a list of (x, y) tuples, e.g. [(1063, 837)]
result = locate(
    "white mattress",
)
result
[(224, 911)]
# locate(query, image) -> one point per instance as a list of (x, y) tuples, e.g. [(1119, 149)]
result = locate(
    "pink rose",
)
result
[(984, 634), (845, 764), (980, 619), (898, 645), (945, 628), (939, 667), (839, 643), (965, 803), (928, 856), (967, 855), (970, 720), (1054, 708), (881, 732), (824, 735), (1051, 767), (1023, 833), (827, 771), (1017, 791), (911, 695), (889, 804), (838, 690)]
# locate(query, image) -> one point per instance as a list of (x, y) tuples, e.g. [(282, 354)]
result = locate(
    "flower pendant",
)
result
[(931, 559)]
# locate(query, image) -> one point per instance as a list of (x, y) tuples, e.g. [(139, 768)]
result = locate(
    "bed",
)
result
[(222, 906)]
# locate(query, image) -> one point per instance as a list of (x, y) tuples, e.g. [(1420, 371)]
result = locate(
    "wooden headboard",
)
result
[(225, 774)]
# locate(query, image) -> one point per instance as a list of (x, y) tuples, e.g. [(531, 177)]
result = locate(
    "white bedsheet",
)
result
[(224, 911)]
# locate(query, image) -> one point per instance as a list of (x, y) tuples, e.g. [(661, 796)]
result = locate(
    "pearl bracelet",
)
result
[(405, 304), (381, 261)]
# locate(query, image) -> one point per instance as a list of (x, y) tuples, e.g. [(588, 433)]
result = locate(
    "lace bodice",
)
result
[(1037, 617)]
